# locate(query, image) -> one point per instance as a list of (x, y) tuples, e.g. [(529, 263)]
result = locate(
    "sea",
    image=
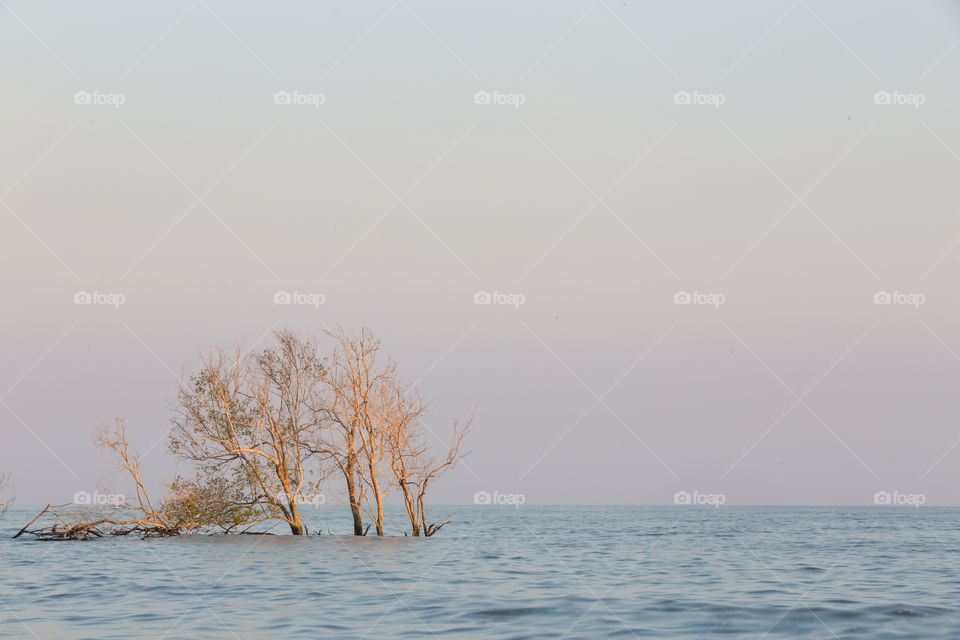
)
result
[(499, 571)]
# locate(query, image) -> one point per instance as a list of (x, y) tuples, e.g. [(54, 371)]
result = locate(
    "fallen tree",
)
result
[(190, 506)]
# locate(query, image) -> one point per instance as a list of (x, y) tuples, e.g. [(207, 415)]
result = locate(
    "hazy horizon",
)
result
[(724, 240)]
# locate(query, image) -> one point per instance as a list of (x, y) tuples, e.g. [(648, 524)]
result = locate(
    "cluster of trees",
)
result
[(267, 431)]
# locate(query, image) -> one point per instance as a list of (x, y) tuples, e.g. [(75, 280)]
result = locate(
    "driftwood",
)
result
[(24, 530), (71, 524)]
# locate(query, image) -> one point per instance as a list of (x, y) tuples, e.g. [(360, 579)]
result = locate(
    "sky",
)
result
[(659, 247)]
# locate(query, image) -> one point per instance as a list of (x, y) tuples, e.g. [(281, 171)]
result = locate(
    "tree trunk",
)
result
[(354, 501), (411, 508), (296, 523), (379, 498)]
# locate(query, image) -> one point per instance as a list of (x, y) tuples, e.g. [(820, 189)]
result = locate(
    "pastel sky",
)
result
[(782, 162)]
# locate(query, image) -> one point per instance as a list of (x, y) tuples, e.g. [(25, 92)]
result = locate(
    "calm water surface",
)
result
[(502, 572)]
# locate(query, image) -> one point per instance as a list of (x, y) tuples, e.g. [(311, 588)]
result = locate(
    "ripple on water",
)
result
[(518, 573)]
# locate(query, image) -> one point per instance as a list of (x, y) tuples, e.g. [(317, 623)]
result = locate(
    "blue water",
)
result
[(503, 572)]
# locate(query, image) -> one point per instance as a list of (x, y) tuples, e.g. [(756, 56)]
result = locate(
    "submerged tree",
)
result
[(410, 460), (353, 438), (378, 443), (247, 419), (262, 431)]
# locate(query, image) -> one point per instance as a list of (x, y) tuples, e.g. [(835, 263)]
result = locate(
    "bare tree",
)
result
[(410, 461), (377, 442), (400, 412), (249, 418), (352, 439)]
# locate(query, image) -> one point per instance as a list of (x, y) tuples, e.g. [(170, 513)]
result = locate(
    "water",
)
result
[(502, 572)]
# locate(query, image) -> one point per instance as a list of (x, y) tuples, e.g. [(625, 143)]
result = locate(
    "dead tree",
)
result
[(352, 440), (376, 433), (410, 458), (399, 411)]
